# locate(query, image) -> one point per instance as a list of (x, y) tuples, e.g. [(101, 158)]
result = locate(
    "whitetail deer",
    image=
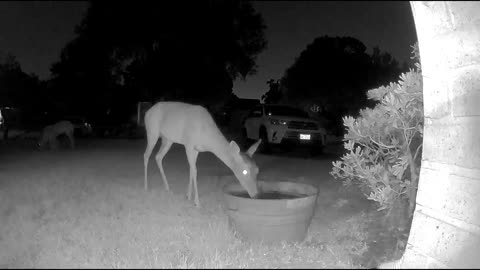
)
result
[(194, 127), (51, 132)]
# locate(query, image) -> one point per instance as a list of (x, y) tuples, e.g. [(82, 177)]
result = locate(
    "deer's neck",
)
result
[(221, 149)]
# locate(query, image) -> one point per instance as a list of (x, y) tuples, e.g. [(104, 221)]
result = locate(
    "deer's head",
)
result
[(245, 168), (41, 143)]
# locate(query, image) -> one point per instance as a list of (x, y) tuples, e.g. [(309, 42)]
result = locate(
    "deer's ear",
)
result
[(234, 147), (253, 148)]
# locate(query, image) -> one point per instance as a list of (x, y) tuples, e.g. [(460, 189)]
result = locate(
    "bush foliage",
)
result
[(384, 143)]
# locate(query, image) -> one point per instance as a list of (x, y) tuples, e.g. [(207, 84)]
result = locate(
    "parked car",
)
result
[(82, 127), (283, 125)]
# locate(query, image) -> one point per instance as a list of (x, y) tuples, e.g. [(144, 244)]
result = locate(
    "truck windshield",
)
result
[(285, 111)]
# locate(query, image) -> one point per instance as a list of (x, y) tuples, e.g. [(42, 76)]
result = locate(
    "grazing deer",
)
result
[(194, 127), (51, 132)]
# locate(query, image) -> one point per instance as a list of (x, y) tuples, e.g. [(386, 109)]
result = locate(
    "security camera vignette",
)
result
[(204, 134)]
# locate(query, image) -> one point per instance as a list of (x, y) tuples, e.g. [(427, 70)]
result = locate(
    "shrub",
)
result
[(384, 143)]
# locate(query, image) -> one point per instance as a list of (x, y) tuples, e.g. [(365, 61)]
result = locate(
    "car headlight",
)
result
[(278, 122)]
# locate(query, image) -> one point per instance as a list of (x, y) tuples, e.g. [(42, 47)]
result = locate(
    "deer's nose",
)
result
[(253, 192)]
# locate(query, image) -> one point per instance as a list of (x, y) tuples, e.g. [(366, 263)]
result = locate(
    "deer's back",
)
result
[(182, 123), (60, 126)]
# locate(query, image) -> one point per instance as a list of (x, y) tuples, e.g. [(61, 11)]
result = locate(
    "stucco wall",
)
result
[(446, 225)]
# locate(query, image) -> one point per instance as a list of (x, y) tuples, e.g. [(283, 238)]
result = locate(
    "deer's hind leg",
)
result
[(151, 142), (166, 144)]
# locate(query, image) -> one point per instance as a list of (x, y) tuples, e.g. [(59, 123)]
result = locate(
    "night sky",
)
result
[(36, 31)]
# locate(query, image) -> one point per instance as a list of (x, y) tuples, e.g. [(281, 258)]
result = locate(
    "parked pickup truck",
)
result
[(283, 125)]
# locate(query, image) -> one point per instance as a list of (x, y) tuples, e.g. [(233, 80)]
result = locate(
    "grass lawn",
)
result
[(87, 208)]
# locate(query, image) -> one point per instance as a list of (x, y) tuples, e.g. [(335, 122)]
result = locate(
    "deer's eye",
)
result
[(245, 172)]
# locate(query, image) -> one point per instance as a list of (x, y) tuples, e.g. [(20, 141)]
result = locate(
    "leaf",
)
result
[(397, 170), (383, 207)]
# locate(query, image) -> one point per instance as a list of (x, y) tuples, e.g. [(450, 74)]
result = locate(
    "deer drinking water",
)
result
[(194, 127)]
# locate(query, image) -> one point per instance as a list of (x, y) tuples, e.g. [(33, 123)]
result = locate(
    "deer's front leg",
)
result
[(72, 140), (189, 190), (192, 155), (52, 141)]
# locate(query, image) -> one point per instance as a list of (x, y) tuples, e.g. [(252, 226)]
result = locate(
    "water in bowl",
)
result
[(270, 195)]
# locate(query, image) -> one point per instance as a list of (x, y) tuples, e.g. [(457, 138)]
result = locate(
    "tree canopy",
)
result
[(274, 94), (335, 73), (17, 88), (188, 51)]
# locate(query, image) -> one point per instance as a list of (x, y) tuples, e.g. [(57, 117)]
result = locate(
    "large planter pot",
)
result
[(282, 213)]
